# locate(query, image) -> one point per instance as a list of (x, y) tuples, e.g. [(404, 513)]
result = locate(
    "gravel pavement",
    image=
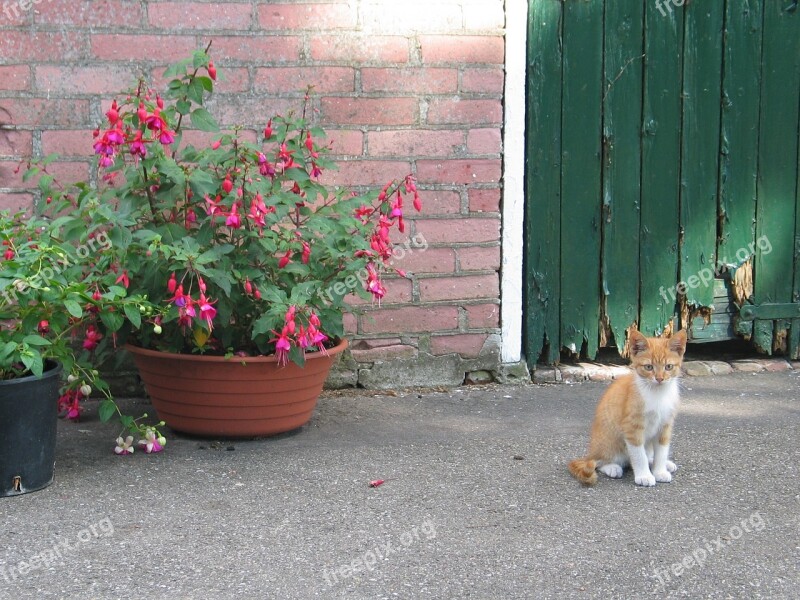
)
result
[(477, 503)]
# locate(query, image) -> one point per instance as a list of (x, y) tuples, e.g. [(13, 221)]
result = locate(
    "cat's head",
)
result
[(657, 360)]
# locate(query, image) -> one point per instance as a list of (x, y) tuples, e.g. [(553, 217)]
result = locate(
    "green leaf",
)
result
[(36, 340), (107, 410), (113, 321), (133, 314), (200, 59), (203, 120), (184, 107), (206, 82), (7, 349), (195, 91), (33, 362), (297, 356), (202, 183), (73, 308)]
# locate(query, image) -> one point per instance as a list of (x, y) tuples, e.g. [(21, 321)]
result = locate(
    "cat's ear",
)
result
[(637, 342), (677, 343)]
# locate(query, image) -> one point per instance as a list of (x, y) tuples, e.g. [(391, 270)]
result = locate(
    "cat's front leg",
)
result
[(641, 468), (662, 468)]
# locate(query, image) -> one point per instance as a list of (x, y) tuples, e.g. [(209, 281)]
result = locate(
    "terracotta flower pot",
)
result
[(238, 397)]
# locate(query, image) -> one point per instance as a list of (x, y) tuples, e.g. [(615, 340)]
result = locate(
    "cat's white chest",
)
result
[(660, 406)]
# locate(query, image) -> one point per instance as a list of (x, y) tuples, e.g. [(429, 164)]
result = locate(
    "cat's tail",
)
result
[(583, 469)]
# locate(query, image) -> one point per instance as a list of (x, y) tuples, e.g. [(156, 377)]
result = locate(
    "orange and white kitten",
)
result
[(633, 422)]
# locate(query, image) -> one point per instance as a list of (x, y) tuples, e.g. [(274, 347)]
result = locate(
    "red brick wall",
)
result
[(402, 85)]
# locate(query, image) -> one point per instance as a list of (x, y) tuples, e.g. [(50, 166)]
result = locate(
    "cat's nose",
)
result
[(660, 379)]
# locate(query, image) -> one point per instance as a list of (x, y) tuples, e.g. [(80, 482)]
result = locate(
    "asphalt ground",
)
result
[(477, 503)]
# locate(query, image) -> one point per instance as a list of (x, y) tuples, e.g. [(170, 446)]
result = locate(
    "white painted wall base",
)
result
[(513, 206)]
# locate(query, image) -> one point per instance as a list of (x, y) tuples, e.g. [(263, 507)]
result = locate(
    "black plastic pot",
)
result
[(28, 420)]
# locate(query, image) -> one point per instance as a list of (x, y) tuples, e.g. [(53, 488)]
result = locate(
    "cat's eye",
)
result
[(668, 367), (648, 367)]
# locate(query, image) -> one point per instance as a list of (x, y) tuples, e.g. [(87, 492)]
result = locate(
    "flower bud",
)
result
[(86, 390), (157, 329)]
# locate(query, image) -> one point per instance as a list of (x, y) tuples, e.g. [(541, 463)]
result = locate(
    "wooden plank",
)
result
[(622, 111), (778, 159), (581, 119), (740, 113), (543, 181), (702, 81), (661, 151)]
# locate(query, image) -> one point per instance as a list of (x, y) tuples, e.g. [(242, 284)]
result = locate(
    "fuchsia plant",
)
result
[(235, 248)]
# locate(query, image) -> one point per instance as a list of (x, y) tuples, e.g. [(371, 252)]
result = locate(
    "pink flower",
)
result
[(233, 219), (152, 442), (92, 338), (166, 137), (207, 311), (282, 347), (285, 259)]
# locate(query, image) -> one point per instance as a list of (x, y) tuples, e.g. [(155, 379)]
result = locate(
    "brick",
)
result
[(410, 319), (90, 13), (453, 231), (432, 260), (16, 143), (118, 46), (479, 258), (232, 80), (16, 202), (230, 109), (416, 143), (201, 139), (468, 345), (484, 141), (15, 77), (384, 353), (350, 322), (467, 287), (747, 366), (398, 291), (37, 112), (463, 49), (483, 315), (258, 50), (282, 80), (366, 172), (345, 142), (65, 172), (69, 79), (197, 15), (307, 16), (483, 16), (28, 47), (483, 81), (370, 111), (471, 112), (463, 171), (356, 48), (424, 80), (484, 200), (440, 202), (73, 142), (411, 16)]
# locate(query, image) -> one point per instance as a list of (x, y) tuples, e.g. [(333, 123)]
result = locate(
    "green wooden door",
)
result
[(663, 172)]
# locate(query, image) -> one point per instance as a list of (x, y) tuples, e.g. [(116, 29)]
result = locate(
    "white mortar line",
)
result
[(513, 206)]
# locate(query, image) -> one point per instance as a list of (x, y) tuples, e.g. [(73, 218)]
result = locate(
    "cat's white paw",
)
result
[(613, 470), (671, 466), (646, 480), (662, 476)]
